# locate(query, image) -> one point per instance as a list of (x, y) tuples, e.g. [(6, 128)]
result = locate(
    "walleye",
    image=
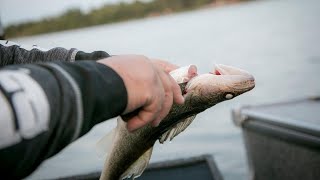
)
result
[(129, 153)]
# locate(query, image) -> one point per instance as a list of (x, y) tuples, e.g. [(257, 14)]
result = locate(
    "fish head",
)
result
[(222, 83), (204, 91)]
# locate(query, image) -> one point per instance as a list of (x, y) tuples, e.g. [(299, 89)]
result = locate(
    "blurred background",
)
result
[(277, 41)]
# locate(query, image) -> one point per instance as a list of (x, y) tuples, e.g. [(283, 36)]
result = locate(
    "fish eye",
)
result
[(228, 96)]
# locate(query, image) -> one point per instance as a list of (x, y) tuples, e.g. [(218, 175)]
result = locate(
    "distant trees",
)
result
[(74, 18)]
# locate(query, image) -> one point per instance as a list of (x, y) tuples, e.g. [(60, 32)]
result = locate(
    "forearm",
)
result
[(45, 107), (11, 53)]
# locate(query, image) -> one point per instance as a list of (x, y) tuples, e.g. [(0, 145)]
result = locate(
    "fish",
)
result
[(129, 153)]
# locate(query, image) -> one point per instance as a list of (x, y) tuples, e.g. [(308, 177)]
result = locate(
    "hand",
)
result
[(164, 65), (151, 90)]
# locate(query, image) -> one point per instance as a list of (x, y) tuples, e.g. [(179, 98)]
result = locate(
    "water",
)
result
[(277, 41)]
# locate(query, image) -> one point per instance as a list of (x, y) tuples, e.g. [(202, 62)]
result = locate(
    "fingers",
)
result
[(167, 92), (172, 89), (168, 67), (172, 94), (142, 119), (152, 107), (150, 92), (168, 98), (148, 113), (177, 94), (165, 109)]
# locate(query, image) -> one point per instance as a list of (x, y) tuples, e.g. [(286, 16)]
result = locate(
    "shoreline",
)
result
[(70, 19)]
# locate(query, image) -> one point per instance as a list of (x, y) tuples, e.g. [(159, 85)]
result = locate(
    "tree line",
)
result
[(74, 18)]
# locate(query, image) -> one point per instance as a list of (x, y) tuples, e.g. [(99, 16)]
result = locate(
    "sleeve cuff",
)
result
[(103, 91), (73, 54), (95, 55)]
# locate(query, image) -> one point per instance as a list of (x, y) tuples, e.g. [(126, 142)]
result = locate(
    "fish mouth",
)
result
[(222, 78), (204, 91), (224, 70), (242, 80)]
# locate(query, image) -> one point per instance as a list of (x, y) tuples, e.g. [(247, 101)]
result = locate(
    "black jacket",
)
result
[(46, 105)]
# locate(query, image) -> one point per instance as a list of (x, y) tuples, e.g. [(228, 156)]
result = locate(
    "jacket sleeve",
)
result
[(12, 53), (44, 107)]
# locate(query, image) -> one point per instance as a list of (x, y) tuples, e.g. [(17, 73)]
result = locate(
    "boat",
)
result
[(200, 167), (282, 140)]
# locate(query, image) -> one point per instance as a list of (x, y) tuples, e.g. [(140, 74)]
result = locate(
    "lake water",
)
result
[(277, 41)]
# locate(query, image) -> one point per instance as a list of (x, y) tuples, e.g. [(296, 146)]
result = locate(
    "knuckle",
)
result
[(168, 95), (140, 57), (144, 57)]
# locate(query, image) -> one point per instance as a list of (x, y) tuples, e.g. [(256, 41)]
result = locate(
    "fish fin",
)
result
[(183, 126), (177, 129), (137, 168), (104, 145)]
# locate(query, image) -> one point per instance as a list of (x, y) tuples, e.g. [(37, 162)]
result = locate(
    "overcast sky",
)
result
[(14, 11)]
